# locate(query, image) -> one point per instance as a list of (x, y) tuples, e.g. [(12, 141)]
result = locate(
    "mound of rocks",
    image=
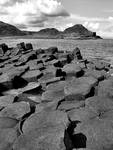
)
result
[(54, 100)]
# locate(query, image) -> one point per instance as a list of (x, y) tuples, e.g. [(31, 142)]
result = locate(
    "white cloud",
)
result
[(51, 8), (37, 14), (82, 18), (110, 19), (92, 25), (2, 2), (31, 11)]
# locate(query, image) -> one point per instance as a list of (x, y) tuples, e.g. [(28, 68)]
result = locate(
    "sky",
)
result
[(33, 15)]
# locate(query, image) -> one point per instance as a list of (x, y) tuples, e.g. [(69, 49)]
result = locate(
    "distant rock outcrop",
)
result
[(9, 30), (49, 31), (75, 32), (79, 31)]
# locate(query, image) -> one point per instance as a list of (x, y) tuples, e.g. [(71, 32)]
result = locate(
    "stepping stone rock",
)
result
[(7, 138), (51, 95), (80, 88), (6, 122), (72, 70), (30, 88), (99, 104), (45, 118), (70, 105), (15, 110), (58, 86), (27, 57), (47, 76), (8, 78), (44, 130), (51, 137), (32, 100), (105, 88), (99, 75), (98, 134), (32, 75), (6, 100), (82, 114)]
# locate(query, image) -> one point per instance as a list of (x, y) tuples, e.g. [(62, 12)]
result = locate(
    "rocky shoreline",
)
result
[(54, 100)]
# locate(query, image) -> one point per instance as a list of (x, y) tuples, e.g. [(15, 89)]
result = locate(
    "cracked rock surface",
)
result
[(54, 100)]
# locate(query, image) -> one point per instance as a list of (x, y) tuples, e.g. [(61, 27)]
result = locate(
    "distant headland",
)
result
[(77, 31)]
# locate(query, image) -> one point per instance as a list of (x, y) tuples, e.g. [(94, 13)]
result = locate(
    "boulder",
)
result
[(21, 46), (4, 48), (77, 54), (28, 46)]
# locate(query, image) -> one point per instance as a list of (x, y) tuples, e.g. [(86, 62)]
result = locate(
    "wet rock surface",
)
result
[(54, 100)]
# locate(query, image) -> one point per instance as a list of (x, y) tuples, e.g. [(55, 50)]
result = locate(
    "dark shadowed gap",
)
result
[(19, 82), (32, 110), (72, 140)]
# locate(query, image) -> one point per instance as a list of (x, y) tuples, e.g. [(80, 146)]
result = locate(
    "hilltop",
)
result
[(9, 30), (75, 32)]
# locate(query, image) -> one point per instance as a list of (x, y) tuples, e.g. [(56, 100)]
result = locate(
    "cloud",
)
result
[(82, 18), (30, 12), (110, 19), (2, 2), (38, 14), (51, 8), (92, 25)]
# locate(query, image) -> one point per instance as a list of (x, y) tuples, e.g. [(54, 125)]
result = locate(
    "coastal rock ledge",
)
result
[(54, 100)]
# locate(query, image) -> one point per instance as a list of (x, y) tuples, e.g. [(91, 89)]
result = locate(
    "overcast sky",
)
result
[(96, 15)]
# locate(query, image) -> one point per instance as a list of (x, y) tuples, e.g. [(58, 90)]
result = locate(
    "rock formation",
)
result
[(75, 32), (54, 100)]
